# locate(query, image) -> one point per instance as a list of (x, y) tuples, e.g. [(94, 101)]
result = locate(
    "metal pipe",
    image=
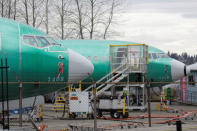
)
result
[(95, 114), (94, 95), (7, 94), (2, 94), (179, 125), (20, 104), (149, 105)]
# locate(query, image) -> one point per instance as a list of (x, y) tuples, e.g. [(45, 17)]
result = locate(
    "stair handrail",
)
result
[(112, 78), (117, 80), (106, 76)]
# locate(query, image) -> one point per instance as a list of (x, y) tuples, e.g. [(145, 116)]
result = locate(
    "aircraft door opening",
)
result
[(131, 56)]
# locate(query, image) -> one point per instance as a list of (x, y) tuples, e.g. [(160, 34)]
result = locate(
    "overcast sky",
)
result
[(170, 25)]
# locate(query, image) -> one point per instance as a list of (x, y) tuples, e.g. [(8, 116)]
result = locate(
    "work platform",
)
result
[(128, 65), (126, 83)]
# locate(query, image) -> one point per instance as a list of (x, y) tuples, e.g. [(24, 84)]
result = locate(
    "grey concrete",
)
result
[(51, 119)]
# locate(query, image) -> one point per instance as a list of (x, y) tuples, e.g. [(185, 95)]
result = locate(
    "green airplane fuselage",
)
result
[(29, 62), (98, 51)]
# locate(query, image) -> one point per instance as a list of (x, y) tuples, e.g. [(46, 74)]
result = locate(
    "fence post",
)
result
[(149, 105), (178, 125), (95, 114), (2, 94), (8, 119), (94, 98), (20, 104)]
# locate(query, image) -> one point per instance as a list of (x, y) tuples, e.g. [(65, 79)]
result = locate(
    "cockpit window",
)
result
[(154, 56), (30, 40), (162, 55), (42, 41), (39, 41), (158, 55), (51, 41)]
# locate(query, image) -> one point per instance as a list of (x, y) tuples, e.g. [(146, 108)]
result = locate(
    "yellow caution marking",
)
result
[(60, 109), (130, 45)]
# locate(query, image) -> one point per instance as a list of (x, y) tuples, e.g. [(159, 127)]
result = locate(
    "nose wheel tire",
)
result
[(99, 113), (115, 114)]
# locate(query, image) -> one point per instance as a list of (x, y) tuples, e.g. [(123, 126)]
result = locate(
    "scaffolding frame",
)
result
[(134, 57)]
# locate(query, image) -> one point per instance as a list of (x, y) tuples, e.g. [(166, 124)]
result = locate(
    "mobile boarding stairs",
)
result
[(126, 60)]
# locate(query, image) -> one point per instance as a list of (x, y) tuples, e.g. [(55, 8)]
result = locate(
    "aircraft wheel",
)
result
[(72, 116), (99, 113), (90, 116), (144, 110), (115, 114)]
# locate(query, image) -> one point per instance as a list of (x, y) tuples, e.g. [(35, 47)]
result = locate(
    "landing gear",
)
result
[(72, 115), (100, 114), (115, 114)]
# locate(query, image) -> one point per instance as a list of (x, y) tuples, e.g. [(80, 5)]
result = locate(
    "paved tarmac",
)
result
[(54, 123), (189, 125)]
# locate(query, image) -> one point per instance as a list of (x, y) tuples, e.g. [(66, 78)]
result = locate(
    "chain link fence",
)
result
[(72, 103)]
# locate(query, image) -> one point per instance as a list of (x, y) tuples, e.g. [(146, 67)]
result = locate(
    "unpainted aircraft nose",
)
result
[(79, 67), (179, 70)]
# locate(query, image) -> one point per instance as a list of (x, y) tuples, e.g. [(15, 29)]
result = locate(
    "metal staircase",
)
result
[(120, 75), (125, 60)]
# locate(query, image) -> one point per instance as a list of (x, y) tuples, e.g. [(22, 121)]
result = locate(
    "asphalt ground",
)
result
[(54, 121)]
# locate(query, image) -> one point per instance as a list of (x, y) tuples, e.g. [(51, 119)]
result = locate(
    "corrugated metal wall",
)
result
[(191, 90)]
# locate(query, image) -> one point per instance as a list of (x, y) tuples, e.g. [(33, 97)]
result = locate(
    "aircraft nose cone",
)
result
[(179, 70), (79, 67)]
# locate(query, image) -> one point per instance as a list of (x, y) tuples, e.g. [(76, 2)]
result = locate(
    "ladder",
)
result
[(106, 84), (124, 60)]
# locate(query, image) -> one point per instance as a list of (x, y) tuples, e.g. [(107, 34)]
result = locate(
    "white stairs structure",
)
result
[(107, 83), (125, 60)]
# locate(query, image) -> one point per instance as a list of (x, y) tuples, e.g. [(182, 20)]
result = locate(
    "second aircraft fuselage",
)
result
[(161, 68)]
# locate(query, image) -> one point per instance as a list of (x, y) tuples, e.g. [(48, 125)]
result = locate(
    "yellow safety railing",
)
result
[(60, 104), (129, 45), (124, 106)]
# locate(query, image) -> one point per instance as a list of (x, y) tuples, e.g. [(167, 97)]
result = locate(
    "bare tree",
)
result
[(26, 17), (64, 12), (33, 13), (109, 21), (36, 12), (9, 8), (62, 18), (79, 18), (2, 7), (46, 16), (69, 19), (92, 18), (15, 4), (98, 16)]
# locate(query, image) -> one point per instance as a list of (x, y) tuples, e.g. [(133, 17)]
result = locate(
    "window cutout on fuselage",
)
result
[(102, 58), (95, 58), (154, 56), (39, 41), (30, 40), (89, 58), (158, 55), (42, 41)]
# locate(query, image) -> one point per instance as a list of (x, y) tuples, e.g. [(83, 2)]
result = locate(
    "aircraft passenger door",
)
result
[(133, 56)]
